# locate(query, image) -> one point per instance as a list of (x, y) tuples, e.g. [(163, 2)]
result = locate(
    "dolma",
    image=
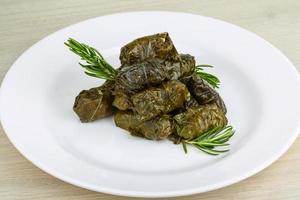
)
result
[(197, 120), (154, 129), (202, 92), (94, 103), (191, 103), (155, 101), (188, 104), (151, 72), (136, 77), (153, 46), (122, 101)]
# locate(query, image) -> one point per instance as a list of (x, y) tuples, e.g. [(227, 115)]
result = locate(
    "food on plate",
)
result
[(135, 77), (202, 92), (122, 101), (153, 46), (94, 103), (157, 128), (150, 72), (155, 101), (156, 94), (197, 120)]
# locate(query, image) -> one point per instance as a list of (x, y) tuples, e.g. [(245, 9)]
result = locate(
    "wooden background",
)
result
[(24, 22)]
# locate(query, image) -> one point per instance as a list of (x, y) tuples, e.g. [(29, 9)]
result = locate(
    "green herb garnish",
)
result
[(96, 65), (209, 78), (211, 141)]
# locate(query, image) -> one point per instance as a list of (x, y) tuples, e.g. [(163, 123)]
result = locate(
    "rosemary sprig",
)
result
[(211, 141), (210, 78), (96, 65)]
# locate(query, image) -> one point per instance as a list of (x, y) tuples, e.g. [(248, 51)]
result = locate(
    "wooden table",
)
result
[(23, 23)]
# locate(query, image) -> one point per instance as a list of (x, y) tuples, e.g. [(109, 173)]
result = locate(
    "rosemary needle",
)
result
[(209, 78), (211, 141), (96, 65)]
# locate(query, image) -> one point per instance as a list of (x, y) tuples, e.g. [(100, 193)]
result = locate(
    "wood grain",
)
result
[(22, 23)]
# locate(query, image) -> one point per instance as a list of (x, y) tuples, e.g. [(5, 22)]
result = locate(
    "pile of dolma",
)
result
[(156, 94)]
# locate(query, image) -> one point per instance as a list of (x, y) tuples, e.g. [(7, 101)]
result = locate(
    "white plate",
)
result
[(258, 83)]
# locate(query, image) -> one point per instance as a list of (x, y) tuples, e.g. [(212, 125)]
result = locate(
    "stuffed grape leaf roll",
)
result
[(155, 101), (197, 120), (154, 129), (153, 46), (151, 72), (94, 103), (202, 92)]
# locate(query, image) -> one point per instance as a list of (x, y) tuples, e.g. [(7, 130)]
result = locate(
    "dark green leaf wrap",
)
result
[(153, 46), (198, 120), (202, 92), (94, 103), (151, 72), (154, 129), (155, 101), (122, 101)]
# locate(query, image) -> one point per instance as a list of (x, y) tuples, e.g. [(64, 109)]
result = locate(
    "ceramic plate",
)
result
[(259, 85)]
